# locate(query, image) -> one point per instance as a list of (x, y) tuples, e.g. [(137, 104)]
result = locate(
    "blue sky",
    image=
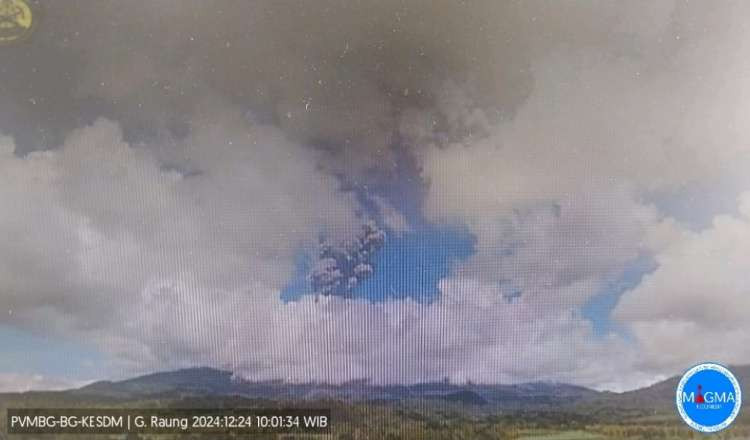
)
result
[(24, 352), (410, 264), (599, 308)]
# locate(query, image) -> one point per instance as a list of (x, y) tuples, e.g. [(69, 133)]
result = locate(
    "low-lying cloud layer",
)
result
[(166, 162)]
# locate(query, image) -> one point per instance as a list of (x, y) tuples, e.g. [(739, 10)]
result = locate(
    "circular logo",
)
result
[(708, 397), (16, 20)]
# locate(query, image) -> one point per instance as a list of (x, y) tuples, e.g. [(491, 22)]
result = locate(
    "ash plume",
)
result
[(339, 269)]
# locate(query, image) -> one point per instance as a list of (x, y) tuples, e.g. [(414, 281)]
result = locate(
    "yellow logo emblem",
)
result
[(16, 20)]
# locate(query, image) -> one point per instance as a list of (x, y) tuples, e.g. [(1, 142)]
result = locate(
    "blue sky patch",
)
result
[(26, 353), (599, 308), (412, 265), (409, 265)]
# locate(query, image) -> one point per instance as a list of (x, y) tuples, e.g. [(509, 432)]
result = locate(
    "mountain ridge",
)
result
[(210, 382)]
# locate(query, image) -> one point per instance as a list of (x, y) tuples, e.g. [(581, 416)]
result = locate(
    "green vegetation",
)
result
[(408, 420)]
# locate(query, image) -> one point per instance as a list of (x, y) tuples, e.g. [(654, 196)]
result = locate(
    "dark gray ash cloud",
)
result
[(338, 75)]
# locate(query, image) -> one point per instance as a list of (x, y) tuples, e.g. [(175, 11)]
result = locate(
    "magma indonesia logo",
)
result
[(708, 397)]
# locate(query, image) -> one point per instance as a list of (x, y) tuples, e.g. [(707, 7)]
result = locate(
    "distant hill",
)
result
[(657, 398), (212, 382), (662, 393), (204, 382), (199, 381)]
